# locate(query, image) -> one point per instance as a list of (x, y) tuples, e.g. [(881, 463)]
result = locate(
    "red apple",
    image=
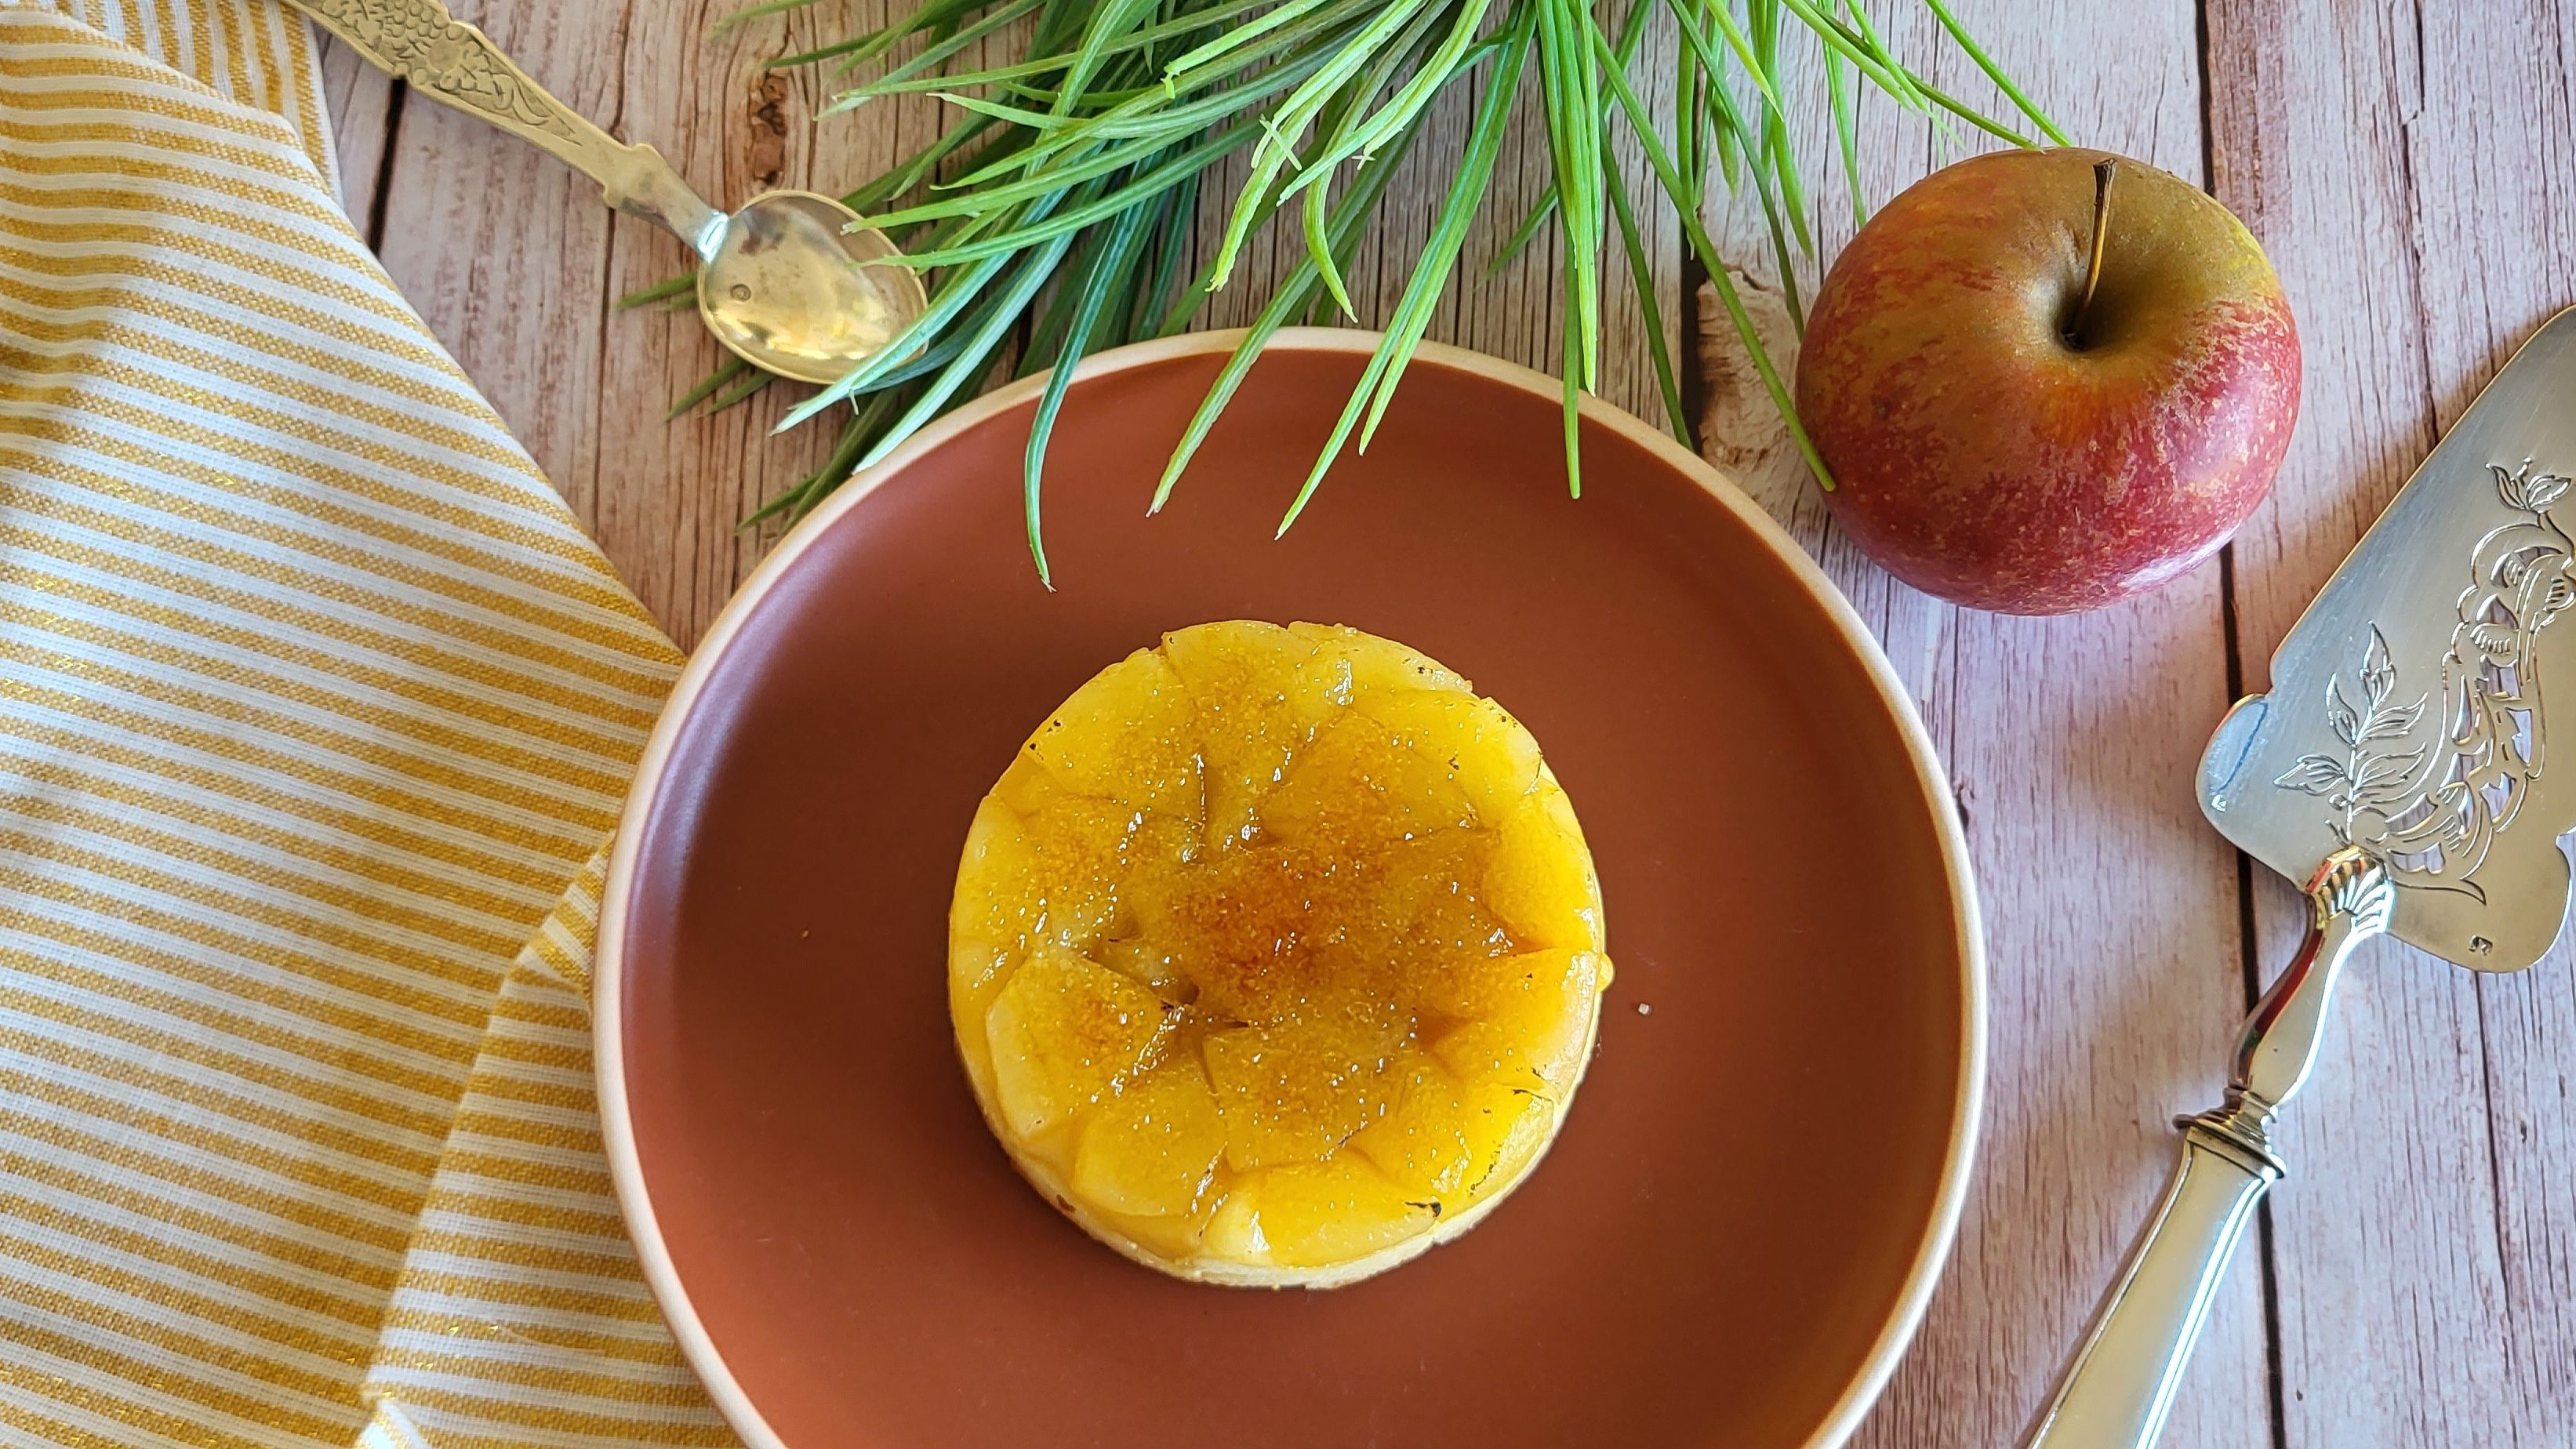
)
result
[(1999, 441)]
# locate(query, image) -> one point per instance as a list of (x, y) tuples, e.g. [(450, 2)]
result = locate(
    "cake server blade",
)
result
[(2405, 711), (2397, 769)]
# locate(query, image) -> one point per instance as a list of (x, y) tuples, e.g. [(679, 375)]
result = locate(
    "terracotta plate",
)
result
[(1735, 1233)]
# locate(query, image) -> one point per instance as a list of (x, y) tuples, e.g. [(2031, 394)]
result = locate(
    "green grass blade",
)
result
[(1838, 92), (1631, 32), (1737, 41), (1179, 223), (1350, 217), (1525, 233), (1569, 364), (1776, 150), (1860, 44), (1242, 35), (749, 13), (1735, 129), (1290, 118), (1161, 178), (930, 56), (1319, 251), (954, 294), (1642, 276), (1892, 76), (853, 441), (1781, 256), (1439, 255), (741, 392), (1171, 172), (976, 357), (924, 163), (1449, 234), (679, 286), (1015, 115), (1588, 138), (1045, 339), (1966, 42), (1642, 127), (731, 369), (1561, 56), (1138, 113), (1126, 283), (1428, 79), (1144, 38), (1974, 117), (1094, 292), (1109, 20), (1687, 156), (1839, 40)]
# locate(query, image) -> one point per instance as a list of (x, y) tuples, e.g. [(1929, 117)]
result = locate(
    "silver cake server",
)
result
[(2397, 768)]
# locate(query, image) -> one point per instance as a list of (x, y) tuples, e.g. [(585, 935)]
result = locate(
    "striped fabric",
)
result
[(315, 708)]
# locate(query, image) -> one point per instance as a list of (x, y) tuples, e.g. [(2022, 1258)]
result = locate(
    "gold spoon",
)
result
[(785, 281)]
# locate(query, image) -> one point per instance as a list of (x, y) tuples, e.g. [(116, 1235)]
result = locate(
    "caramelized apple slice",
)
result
[(998, 881), (1505, 1127), (1366, 664), (1471, 741), (1523, 1020), (1314, 1214), (1063, 1032), (1126, 736), (1294, 1092), (1259, 693), (1356, 788), (1151, 1150), (1539, 879), (1061, 868), (1421, 1141)]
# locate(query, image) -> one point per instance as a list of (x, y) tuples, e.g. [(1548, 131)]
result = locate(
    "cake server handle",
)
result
[(2118, 1388)]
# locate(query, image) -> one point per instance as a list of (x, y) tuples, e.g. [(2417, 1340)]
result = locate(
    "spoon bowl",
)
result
[(795, 283)]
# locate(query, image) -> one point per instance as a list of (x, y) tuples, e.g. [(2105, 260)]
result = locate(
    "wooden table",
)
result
[(2412, 169)]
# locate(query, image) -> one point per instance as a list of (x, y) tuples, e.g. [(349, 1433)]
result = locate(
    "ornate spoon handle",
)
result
[(2116, 1391), (453, 62)]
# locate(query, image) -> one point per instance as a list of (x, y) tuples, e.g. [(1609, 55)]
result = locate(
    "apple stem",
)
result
[(2102, 173)]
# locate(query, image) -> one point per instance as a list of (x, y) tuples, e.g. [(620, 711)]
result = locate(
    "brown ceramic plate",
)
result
[(1735, 1233)]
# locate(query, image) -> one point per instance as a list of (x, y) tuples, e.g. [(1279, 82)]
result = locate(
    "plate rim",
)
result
[(617, 1128)]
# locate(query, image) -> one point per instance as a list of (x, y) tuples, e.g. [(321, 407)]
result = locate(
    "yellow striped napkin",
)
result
[(315, 708)]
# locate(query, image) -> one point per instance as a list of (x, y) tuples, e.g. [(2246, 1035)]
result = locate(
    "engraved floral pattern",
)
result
[(2372, 772), (419, 41), (2432, 811)]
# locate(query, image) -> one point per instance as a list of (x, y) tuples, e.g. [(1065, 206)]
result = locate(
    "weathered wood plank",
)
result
[(2409, 168), (360, 97), (2110, 908)]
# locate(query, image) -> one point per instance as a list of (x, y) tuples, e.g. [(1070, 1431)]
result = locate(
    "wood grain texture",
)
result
[(2111, 924), (2412, 169), (516, 265), (361, 99), (2426, 1244)]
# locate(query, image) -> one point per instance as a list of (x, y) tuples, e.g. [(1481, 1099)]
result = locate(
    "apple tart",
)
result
[(1276, 955)]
